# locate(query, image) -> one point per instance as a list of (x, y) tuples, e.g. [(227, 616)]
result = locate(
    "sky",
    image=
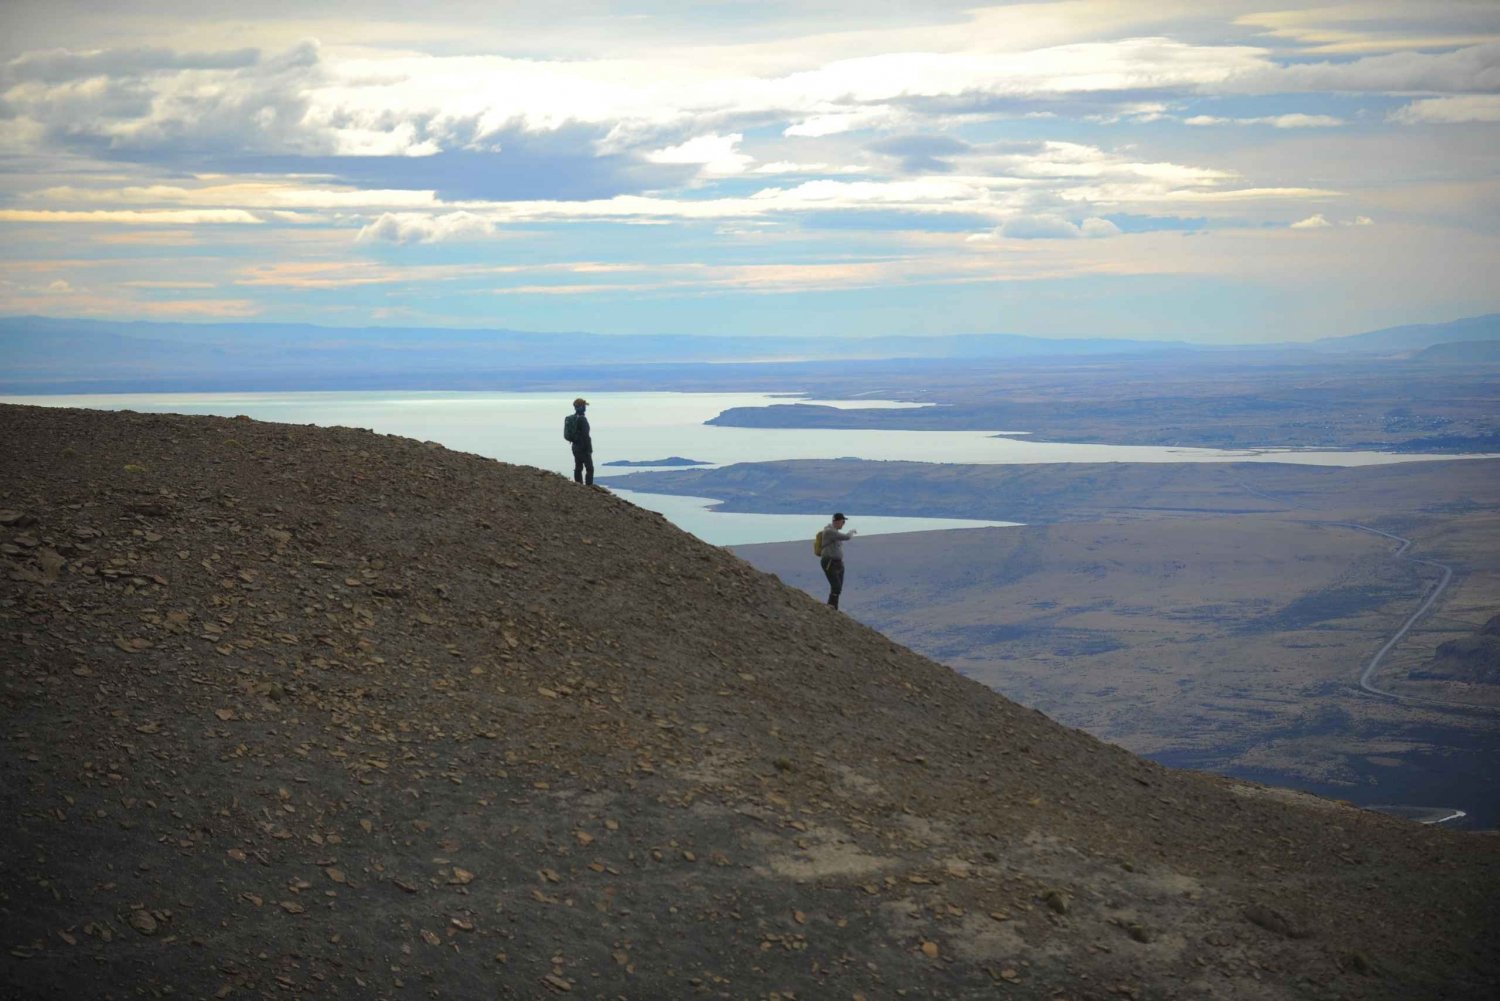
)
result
[(1188, 169)]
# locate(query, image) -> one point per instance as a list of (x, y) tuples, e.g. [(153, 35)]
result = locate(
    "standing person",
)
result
[(832, 553), (576, 430)]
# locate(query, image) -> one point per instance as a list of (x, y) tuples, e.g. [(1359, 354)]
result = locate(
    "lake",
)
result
[(526, 428)]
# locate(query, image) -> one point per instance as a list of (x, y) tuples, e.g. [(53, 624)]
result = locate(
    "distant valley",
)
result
[(1226, 400), (1213, 616)]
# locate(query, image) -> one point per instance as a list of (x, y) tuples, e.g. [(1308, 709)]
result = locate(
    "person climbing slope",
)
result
[(831, 552)]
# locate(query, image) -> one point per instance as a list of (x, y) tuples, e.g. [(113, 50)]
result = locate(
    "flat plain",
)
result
[(1240, 398)]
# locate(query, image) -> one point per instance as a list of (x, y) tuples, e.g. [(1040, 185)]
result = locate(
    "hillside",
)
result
[(304, 712), (1233, 643)]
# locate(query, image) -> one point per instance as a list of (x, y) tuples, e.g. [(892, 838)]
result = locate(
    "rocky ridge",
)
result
[(290, 711)]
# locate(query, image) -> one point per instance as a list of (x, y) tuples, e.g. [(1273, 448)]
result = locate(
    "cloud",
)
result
[(134, 217), (922, 153), (906, 130), (715, 154), (77, 303), (789, 167), (340, 274), (1115, 194), (1052, 227), (834, 123), (1291, 121), (979, 187), (1320, 221), (1379, 25), (328, 275), (61, 66), (407, 227), (150, 101), (212, 308), (1450, 110), (240, 194), (503, 127), (149, 238), (305, 102), (1475, 68)]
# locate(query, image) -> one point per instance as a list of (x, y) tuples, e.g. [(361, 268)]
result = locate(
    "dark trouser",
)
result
[(583, 462), (834, 571)]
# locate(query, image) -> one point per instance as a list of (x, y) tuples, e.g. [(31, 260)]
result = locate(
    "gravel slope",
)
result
[(301, 712)]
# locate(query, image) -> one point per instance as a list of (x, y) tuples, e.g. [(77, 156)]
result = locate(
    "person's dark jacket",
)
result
[(581, 440)]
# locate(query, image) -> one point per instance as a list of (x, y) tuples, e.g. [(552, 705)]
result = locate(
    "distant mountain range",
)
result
[(47, 355), (1416, 336)]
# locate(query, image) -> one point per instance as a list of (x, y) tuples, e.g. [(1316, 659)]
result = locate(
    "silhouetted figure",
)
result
[(576, 430)]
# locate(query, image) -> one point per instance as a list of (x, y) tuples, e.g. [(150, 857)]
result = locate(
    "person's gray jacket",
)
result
[(833, 542)]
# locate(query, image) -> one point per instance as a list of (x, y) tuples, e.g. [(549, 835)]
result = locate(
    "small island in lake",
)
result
[(675, 460)]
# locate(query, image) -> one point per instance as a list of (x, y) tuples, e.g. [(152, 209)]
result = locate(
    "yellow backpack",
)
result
[(818, 543)]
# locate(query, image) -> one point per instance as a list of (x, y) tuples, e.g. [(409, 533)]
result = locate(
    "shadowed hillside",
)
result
[(302, 712)]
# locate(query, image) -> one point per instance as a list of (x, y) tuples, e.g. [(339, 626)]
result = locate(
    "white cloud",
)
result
[(669, 106), (1096, 227), (1053, 227), (1299, 121), (838, 122), (716, 154), (306, 100), (1147, 111), (242, 195), (1379, 25), (1320, 221), (170, 217), (1450, 110), (408, 227), (1291, 121), (1061, 179), (788, 167)]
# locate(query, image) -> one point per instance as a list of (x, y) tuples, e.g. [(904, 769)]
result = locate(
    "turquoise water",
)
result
[(527, 428)]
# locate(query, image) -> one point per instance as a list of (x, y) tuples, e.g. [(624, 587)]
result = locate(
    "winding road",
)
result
[(1432, 596), (1373, 665)]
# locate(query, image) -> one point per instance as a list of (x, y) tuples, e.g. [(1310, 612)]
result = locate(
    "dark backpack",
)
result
[(570, 427)]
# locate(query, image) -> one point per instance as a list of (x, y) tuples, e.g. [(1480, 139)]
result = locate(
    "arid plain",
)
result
[(1217, 616)]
